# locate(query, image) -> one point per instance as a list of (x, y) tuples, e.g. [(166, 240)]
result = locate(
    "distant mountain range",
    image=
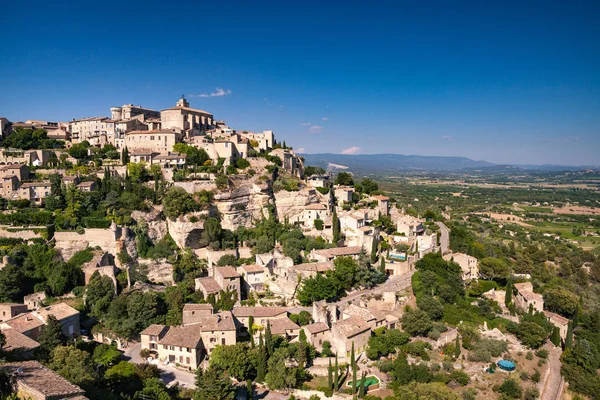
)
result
[(388, 163)]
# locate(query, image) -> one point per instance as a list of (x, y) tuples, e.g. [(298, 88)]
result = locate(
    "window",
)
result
[(223, 341), (151, 137), (165, 346), (213, 340), (187, 360), (181, 359), (153, 346)]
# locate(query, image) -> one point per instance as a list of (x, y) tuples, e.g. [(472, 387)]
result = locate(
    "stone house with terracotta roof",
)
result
[(525, 296), (317, 333), (253, 278), (350, 330), (36, 382), (325, 255)]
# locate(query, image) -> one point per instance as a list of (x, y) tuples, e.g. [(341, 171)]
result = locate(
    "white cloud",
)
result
[(324, 118), (301, 150), (219, 93), (315, 129), (447, 138), (305, 124), (351, 150)]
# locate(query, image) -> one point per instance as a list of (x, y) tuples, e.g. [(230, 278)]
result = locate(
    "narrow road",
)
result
[(444, 237), (551, 386)]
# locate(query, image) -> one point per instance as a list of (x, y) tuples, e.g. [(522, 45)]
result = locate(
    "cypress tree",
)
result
[(336, 375), (335, 226), (125, 156), (508, 296), (382, 264), (268, 341), (569, 339), (457, 347), (576, 317), (555, 338), (530, 309), (353, 365), (374, 250), (363, 385), (329, 376), (261, 369)]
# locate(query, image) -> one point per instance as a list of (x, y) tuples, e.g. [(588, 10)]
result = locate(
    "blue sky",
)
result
[(506, 83)]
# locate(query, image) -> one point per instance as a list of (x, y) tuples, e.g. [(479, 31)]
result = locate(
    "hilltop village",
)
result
[(164, 254)]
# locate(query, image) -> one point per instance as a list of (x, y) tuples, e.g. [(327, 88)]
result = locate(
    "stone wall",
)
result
[(196, 186), (20, 233)]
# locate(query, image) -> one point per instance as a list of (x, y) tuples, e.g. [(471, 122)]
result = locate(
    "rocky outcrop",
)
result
[(159, 271), (157, 226), (186, 230), (245, 203), (291, 204)]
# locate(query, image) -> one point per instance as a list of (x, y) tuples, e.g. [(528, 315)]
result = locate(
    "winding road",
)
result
[(444, 237)]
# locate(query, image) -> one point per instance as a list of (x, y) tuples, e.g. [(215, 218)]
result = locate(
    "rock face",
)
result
[(159, 271), (245, 203), (157, 226), (186, 230), (291, 204)]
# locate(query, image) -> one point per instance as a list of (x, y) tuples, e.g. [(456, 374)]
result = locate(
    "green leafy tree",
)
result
[(511, 389), (73, 364), (561, 301), (12, 282), (416, 323), (493, 268), (154, 389), (431, 306), (106, 355), (280, 376), (177, 202), (238, 360), (99, 292), (344, 179)]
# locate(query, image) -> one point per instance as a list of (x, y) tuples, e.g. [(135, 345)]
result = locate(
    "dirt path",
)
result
[(551, 386)]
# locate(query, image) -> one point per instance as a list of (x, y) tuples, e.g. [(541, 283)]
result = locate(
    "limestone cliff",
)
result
[(186, 230), (244, 203), (292, 204)]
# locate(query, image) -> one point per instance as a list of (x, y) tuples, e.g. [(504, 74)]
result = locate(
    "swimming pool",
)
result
[(506, 365), (369, 380)]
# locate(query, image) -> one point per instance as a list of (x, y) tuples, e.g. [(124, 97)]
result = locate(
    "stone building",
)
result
[(158, 141), (469, 265), (11, 310), (186, 120), (525, 297), (129, 111), (98, 131), (36, 382), (348, 331)]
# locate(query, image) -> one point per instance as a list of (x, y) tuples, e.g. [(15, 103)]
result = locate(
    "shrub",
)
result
[(511, 389), (242, 163), (460, 377), (531, 393), (542, 353), (145, 353), (319, 224), (529, 355)]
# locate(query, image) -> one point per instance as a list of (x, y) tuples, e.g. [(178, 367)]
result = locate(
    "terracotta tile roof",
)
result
[(209, 284), (155, 131), (281, 326), (317, 327), (182, 336), (356, 311), (314, 267), (382, 198), (351, 326), (154, 330), (86, 184), (16, 341), (59, 310), (252, 269), (35, 376), (258, 312), (36, 184), (339, 251), (24, 322), (142, 152), (188, 109), (317, 206), (197, 307), (222, 321), (555, 318), (227, 272)]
